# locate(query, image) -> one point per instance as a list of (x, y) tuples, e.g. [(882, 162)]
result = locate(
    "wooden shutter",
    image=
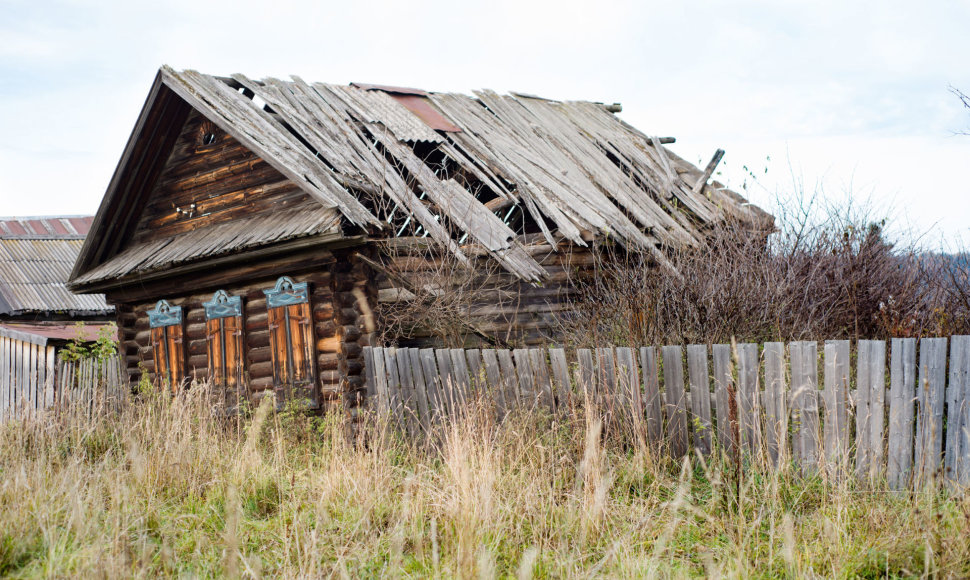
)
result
[(224, 339), (168, 350), (291, 339)]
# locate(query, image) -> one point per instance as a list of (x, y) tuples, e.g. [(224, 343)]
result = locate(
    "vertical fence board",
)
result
[(560, 374), (586, 371), (676, 399), (420, 387), (493, 377), (870, 413), (957, 459), (651, 394), (723, 378), (408, 397), (394, 386), (523, 367), (836, 425), (459, 367), (474, 359), (776, 403), (369, 382), (699, 380), (448, 382), (749, 412), (510, 382), (540, 370), (432, 382), (804, 384), (629, 385), (930, 400), (606, 378), (902, 398), (380, 378)]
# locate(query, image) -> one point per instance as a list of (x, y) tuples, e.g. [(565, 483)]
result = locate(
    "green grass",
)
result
[(160, 488)]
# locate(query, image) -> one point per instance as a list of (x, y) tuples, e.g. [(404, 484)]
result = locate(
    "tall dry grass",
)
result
[(164, 487)]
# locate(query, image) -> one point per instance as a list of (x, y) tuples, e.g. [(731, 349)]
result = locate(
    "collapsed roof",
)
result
[(451, 167)]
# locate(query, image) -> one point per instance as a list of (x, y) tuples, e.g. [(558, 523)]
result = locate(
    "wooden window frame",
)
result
[(167, 342), (224, 341), (290, 321)]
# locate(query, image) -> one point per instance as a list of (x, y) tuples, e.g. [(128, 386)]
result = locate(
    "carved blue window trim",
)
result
[(286, 293), (222, 305), (164, 314)]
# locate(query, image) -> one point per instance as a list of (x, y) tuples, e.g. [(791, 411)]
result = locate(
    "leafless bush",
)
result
[(826, 272), (435, 296)]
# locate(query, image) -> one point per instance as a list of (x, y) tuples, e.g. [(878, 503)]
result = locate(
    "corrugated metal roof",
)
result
[(45, 227), (35, 266)]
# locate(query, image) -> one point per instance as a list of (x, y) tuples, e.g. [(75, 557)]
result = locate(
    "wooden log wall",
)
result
[(904, 419), (498, 304), (206, 183), (342, 296)]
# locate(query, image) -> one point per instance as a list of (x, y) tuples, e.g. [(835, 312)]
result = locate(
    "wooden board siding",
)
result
[(224, 180)]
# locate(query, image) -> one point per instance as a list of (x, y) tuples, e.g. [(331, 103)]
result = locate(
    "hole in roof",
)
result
[(208, 138)]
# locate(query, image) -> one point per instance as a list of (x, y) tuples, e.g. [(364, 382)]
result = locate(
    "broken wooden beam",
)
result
[(708, 172)]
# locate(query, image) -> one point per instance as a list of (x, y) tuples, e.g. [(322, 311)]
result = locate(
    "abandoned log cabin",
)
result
[(253, 230)]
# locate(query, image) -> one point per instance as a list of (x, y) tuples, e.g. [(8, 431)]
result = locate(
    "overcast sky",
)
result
[(852, 96)]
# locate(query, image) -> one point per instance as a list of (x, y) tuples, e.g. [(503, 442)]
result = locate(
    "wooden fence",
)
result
[(906, 423), (33, 378)]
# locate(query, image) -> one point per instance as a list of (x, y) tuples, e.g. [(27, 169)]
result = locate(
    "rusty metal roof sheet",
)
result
[(35, 267), (45, 227)]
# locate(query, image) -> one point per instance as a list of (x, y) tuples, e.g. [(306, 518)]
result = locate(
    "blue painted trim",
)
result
[(286, 293), (164, 314), (223, 305)]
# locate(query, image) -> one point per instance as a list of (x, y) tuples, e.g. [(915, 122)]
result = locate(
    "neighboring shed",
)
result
[(244, 236), (38, 314)]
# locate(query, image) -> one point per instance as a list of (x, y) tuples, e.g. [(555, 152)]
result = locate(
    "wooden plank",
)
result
[(836, 429), (699, 380), (459, 365), (4, 378), (956, 466), (510, 380), (675, 399), (394, 387), (776, 403), (448, 384), (370, 383), (749, 405), (540, 369), (476, 373), (494, 386), (560, 374), (606, 379), (409, 400), (586, 370), (629, 385), (870, 405), (380, 376), (723, 379), (651, 394), (527, 385), (902, 401), (929, 417), (805, 420), (437, 407)]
